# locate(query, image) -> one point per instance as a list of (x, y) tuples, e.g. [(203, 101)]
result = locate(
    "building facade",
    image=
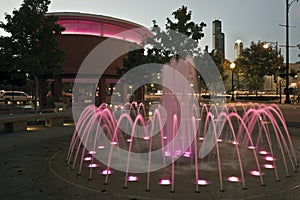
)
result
[(238, 47), (218, 38), (83, 32)]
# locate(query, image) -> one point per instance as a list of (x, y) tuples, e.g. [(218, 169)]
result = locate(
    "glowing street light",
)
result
[(232, 66)]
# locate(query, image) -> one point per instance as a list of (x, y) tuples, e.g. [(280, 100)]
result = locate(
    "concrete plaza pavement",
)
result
[(26, 173)]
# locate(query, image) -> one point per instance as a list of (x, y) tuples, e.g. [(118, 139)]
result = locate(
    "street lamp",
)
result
[(288, 5), (232, 66)]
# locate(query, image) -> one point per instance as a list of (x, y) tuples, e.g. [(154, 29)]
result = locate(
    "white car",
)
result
[(16, 96)]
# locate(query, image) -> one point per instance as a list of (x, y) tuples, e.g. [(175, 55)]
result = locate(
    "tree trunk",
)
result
[(36, 89)]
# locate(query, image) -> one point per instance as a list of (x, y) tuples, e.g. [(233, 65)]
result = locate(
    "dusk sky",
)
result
[(248, 20)]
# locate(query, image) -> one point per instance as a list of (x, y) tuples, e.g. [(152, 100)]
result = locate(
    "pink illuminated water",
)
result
[(227, 137)]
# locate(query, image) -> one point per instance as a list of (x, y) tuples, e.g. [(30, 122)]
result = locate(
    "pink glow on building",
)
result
[(102, 26)]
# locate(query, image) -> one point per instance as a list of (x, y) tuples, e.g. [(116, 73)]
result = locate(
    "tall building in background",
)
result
[(238, 47), (218, 38)]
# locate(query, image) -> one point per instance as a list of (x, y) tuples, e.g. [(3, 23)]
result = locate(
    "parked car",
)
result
[(16, 96)]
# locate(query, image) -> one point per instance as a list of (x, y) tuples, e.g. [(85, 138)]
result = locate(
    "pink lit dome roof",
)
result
[(102, 26)]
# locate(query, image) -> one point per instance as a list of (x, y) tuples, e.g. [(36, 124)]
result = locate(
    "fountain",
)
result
[(181, 147), (231, 145)]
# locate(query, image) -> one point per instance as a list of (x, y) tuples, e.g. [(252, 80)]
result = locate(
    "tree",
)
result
[(221, 63), (166, 44), (32, 43), (174, 45), (255, 62)]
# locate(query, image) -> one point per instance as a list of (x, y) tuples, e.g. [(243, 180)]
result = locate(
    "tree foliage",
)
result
[(10, 76), (31, 47), (255, 62), (221, 63), (179, 38), (32, 43), (167, 44)]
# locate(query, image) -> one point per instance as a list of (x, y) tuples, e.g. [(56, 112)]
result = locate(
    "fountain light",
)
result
[(202, 182), (177, 152), (256, 173), (105, 172), (92, 152), (263, 152), (93, 165), (201, 138), (164, 181), (251, 147), (114, 143), (101, 147), (165, 137), (269, 158), (235, 142), (268, 166), (233, 179), (146, 138), (87, 158), (187, 154), (132, 178), (220, 140), (167, 153), (128, 140)]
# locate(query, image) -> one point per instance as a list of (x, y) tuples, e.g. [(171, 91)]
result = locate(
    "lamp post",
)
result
[(288, 5), (232, 66)]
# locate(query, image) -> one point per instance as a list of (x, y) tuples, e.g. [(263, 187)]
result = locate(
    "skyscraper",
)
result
[(218, 38), (238, 47)]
